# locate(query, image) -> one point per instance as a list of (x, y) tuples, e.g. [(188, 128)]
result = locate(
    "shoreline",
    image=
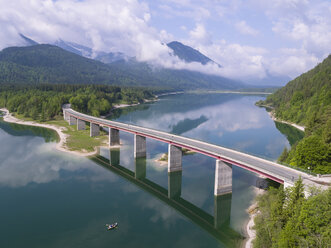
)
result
[(60, 146), (272, 116), (248, 227)]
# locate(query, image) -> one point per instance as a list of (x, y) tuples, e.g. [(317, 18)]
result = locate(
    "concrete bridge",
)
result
[(225, 157)]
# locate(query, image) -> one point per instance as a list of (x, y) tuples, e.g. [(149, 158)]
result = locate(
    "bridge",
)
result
[(225, 157), (218, 225)]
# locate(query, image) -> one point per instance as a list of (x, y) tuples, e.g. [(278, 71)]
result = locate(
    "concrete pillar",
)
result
[(140, 168), (114, 137), (223, 178), (114, 157), (67, 117), (139, 146), (174, 184), (94, 129), (72, 120), (222, 210), (80, 124), (174, 158)]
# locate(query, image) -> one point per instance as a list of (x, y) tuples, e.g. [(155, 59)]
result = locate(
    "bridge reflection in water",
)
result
[(217, 225)]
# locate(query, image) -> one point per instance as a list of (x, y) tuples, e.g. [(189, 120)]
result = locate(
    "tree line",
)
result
[(44, 101), (306, 100), (287, 219)]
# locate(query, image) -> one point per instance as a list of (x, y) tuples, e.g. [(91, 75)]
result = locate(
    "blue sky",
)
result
[(251, 39)]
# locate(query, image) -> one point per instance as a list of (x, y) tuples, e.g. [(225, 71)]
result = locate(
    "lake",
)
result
[(53, 199)]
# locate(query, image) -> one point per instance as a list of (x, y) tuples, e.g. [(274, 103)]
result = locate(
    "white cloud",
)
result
[(244, 28), (102, 25), (292, 62), (200, 35), (127, 26)]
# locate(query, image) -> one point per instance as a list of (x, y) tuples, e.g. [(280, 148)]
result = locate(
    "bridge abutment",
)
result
[(94, 129), (80, 124), (174, 158), (72, 120), (223, 178), (114, 137), (174, 184), (139, 146), (65, 115)]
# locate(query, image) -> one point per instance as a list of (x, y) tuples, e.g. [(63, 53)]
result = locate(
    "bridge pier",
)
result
[(65, 115), (114, 137), (174, 184), (139, 146), (223, 178), (140, 168), (174, 158), (80, 124), (94, 129), (114, 157), (72, 120)]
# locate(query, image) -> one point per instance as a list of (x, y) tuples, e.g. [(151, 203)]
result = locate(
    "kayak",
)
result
[(112, 226)]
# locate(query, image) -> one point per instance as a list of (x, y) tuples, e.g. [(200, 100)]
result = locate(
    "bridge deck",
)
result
[(272, 170)]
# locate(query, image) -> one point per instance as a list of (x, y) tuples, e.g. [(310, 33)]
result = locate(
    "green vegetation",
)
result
[(53, 65), (306, 100), (44, 102), (80, 140), (287, 219)]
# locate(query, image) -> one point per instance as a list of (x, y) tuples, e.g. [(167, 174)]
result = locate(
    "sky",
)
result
[(251, 39)]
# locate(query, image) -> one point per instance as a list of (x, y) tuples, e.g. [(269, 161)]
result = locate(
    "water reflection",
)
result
[(292, 134), (230, 120), (23, 130), (217, 225), (26, 159)]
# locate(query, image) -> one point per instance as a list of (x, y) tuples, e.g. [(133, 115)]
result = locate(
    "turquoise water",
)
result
[(52, 199)]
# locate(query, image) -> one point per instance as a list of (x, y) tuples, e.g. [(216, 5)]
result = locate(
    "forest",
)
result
[(288, 219), (44, 102), (306, 100)]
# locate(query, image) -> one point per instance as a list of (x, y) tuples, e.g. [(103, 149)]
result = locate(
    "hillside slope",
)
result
[(51, 64), (188, 54), (306, 100)]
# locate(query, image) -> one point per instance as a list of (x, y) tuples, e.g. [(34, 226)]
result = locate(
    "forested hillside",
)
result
[(306, 100), (51, 64), (286, 218), (44, 102)]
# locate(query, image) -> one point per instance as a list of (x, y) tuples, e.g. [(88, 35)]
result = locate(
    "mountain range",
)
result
[(51, 64), (68, 62)]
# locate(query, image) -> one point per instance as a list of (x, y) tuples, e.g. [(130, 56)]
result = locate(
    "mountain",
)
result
[(306, 100), (89, 53), (52, 64), (28, 41), (188, 54), (176, 79)]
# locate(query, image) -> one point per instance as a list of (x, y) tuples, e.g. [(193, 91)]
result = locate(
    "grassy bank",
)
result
[(76, 140)]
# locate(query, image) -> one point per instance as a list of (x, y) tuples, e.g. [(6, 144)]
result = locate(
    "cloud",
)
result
[(128, 26), (292, 62), (244, 28), (200, 35)]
